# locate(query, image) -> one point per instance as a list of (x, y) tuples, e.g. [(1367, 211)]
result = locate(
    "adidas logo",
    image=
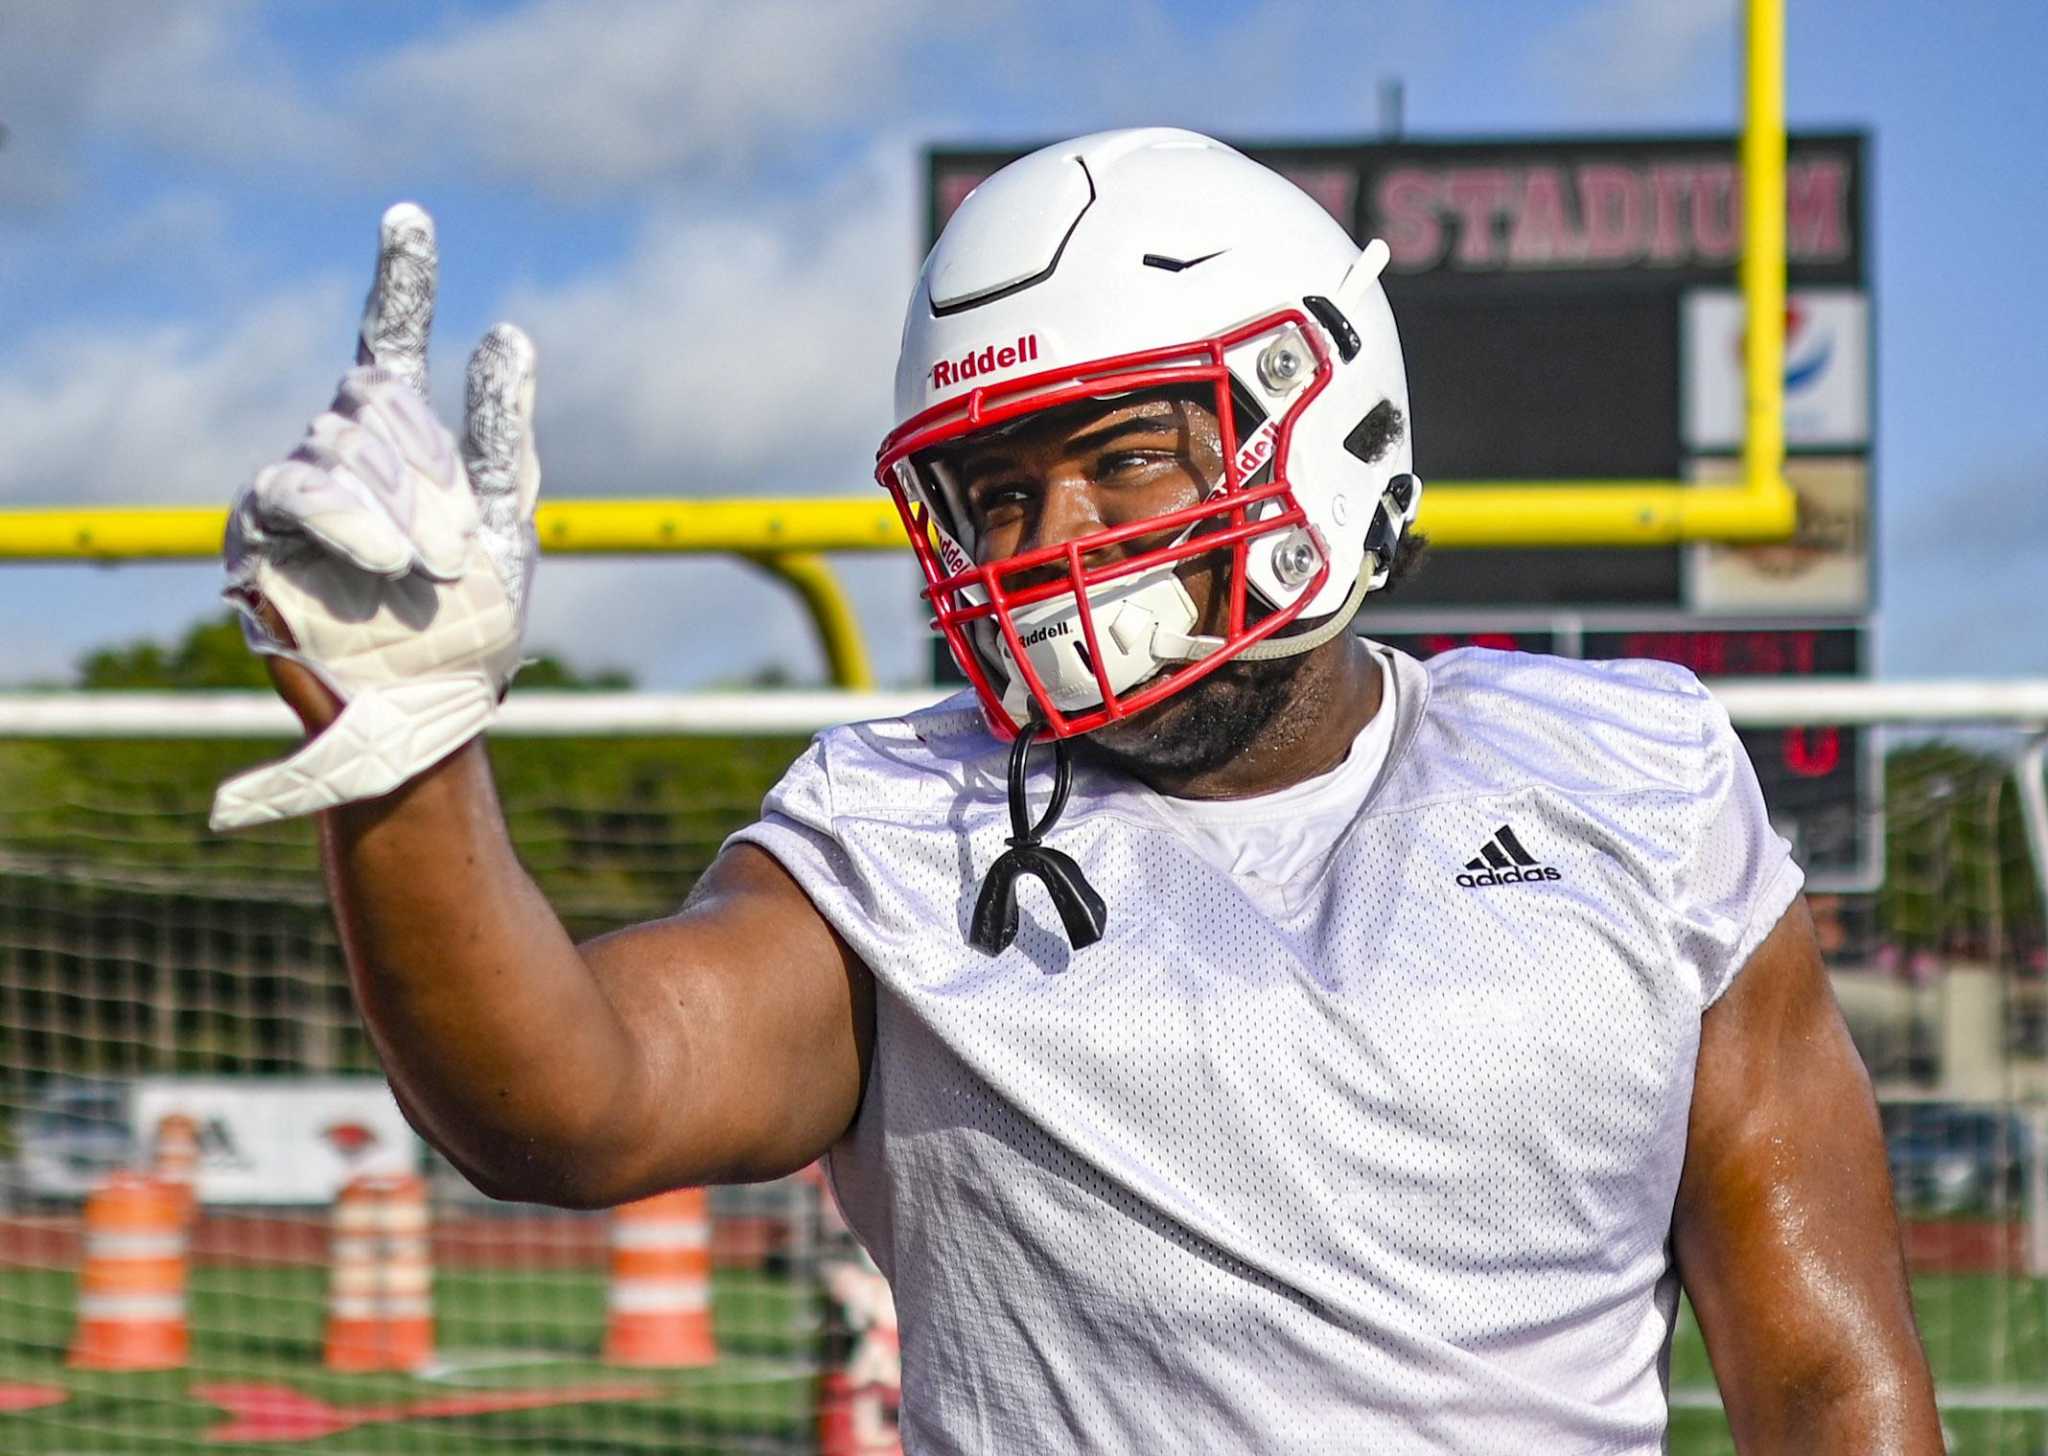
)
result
[(1503, 861)]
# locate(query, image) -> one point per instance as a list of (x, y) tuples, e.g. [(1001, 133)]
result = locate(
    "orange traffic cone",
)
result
[(174, 1160), (131, 1293), (660, 1300), (380, 1310)]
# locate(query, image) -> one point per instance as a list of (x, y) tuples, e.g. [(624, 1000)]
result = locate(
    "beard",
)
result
[(1201, 729)]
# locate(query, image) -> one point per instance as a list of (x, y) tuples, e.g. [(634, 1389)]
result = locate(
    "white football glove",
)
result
[(399, 564)]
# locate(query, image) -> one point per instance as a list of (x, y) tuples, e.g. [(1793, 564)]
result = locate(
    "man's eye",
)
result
[(1125, 462), (993, 499)]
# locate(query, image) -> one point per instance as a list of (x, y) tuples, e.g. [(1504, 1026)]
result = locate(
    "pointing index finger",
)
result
[(400, 310)]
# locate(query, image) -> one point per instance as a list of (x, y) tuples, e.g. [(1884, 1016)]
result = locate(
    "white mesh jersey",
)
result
[(1386, 1169)]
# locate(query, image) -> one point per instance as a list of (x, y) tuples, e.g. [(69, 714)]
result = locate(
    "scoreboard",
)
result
[(1569, 311)]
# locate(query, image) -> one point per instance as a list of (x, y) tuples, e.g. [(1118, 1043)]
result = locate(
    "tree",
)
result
[(212, 654)]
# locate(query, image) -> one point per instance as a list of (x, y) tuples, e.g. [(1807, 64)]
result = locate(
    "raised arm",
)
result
[(1784, 1231), (385, 571), (725, 1043)]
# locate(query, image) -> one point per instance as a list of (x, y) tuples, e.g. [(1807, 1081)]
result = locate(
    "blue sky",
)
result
[(707, 216)]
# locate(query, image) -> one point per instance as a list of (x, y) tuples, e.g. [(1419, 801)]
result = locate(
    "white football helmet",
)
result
[(1133, 260)]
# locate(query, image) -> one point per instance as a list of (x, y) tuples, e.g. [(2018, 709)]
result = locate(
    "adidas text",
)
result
[(1508, 877), (1503, 860)]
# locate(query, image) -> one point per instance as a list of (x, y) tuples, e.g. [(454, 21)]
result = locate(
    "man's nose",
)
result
[(1067, 509)]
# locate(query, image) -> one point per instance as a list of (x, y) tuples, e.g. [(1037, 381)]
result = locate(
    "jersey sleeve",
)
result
[(1736, 875), (796, 826)]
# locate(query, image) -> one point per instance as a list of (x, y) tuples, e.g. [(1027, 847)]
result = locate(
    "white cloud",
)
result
[(1625, 58), (211, 84), (189, 77), (169, 414), (576, 98), (582, 98), (189, 229), (742, 351), (51, 55)]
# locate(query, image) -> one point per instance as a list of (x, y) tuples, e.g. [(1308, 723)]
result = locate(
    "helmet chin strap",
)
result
[(1332, 627), (1396, 508)]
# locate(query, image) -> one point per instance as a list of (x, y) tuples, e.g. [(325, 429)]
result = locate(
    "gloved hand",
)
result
[(397, 564)]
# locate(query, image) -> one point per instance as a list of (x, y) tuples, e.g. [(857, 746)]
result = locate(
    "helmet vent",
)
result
[(1374, 435), (961, 303)]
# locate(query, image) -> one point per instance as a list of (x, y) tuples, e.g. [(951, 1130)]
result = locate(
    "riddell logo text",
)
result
[(986, 360), (1508, 877), (1050, 629), (1256, 450)]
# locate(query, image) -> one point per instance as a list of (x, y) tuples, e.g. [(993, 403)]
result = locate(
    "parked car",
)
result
[(1950, 1159), (76, 1133)]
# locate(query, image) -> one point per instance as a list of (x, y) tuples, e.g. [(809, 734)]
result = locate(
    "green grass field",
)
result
[(497, 1331), (1987, 1337)]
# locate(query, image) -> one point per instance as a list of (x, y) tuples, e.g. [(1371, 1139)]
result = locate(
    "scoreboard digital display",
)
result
[(1568, 312)]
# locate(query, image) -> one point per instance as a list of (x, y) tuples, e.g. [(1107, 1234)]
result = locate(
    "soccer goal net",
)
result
[(216, 1227)]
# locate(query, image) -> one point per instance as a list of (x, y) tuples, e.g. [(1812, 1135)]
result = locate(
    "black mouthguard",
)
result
[(1081, 910)]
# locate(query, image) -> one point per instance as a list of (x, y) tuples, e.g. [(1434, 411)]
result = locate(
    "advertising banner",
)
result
[(1823, 569), (282, 1140), (1827, 369)]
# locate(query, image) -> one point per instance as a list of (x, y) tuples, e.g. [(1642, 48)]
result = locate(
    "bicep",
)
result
[(1784, 1231), (750, 1022)]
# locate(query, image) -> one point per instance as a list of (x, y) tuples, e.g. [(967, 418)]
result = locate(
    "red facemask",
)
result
[(964, 594)]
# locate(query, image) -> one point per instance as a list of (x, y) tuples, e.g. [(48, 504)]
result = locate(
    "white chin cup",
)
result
[(1143, 622)]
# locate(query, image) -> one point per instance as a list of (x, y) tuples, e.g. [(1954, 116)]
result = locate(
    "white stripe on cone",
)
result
[(657, 1296), (374, 1279), (105, 1245), (378, 1307), (132, 1306), (661, 1234), (356, 1216)]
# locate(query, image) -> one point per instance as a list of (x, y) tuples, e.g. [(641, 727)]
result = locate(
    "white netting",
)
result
[(145, 965)]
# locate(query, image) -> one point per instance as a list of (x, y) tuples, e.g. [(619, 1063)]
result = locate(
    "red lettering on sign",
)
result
[(1611, 209), (1477, 195), (1813, 753), (1716, 212), (1407, 205), (1817, 210), (1601, 214), (1543, 235), (1670, 186)]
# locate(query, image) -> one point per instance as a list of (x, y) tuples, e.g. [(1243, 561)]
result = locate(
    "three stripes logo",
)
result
[(1503, 861)]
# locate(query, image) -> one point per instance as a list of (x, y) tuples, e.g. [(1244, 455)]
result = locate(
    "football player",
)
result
[(1226, 1033)]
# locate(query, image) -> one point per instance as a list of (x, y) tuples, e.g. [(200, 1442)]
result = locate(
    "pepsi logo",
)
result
[(1809, 348)]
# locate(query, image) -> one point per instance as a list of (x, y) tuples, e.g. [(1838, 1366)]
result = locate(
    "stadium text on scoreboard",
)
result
[(1569, 311)]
